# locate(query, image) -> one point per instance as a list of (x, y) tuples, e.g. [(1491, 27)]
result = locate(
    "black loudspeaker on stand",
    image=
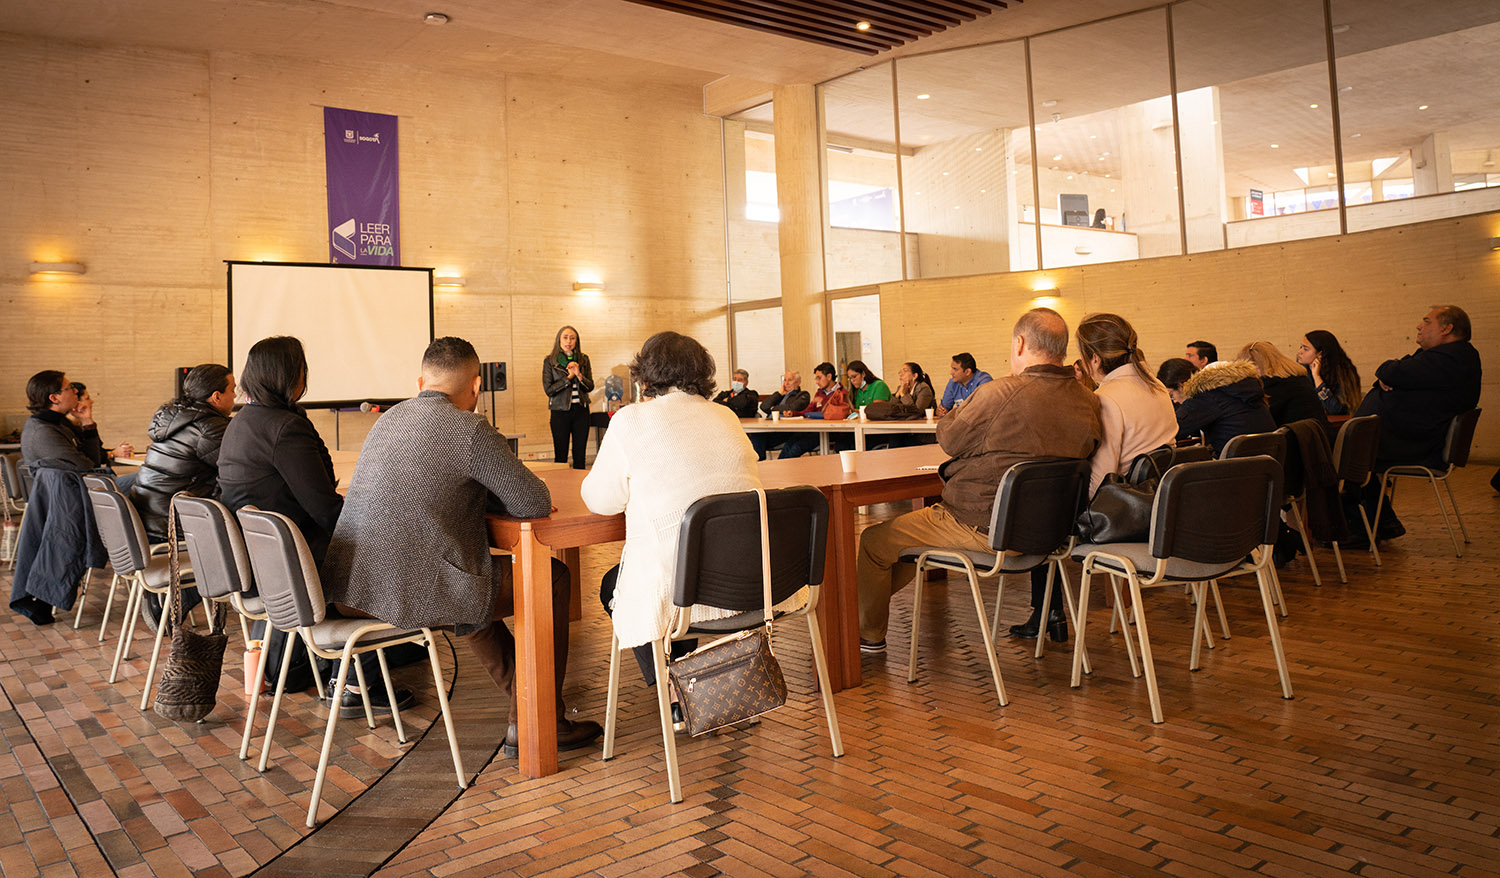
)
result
[(492, 380)]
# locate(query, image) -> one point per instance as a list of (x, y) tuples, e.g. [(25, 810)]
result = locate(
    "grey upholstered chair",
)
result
[(1210, 520), (1455, 455), (1354, 453)]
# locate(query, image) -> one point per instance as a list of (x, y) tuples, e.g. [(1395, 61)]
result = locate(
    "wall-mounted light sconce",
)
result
[(57, 268), (588, 286), (449, 280)]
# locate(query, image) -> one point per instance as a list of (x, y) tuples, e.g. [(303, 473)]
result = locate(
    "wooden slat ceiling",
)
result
[(835, 23)]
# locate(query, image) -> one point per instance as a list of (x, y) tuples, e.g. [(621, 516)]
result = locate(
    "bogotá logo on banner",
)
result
[(355, 239), (352, 136), (348, 135)]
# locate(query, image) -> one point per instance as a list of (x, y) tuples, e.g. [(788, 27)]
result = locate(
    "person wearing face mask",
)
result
[(829, 403), (568, 379), (739, 397)]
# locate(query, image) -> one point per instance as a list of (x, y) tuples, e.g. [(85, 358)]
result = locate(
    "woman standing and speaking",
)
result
[(568, 380)]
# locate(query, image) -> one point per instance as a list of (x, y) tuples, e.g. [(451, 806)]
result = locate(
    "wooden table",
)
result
[(861, 430), (880, 476)]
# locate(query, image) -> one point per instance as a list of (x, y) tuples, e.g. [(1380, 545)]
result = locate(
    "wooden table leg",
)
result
[(841, 595), (536, 707)]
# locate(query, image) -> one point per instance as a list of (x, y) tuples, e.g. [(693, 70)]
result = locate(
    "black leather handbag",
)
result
[(1121, 509)]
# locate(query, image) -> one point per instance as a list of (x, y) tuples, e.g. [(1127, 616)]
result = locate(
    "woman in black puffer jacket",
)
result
[(1223, 400), (184, 454)]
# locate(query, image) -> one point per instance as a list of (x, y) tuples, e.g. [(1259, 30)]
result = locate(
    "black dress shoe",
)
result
[(1057, 628), (353, 706), (571, 735)]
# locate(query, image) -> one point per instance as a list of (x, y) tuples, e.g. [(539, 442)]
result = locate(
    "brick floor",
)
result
[(1384, 763)]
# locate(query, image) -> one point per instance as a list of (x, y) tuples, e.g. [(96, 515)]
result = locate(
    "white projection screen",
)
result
[(364, 328)]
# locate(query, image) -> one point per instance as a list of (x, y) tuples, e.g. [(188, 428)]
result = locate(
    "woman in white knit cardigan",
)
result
[(658, 457)]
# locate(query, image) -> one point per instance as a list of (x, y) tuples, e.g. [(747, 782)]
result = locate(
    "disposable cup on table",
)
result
[(846, 458)]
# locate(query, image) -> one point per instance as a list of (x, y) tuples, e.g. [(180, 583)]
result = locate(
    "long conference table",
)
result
[(863, 431), (879, 477)]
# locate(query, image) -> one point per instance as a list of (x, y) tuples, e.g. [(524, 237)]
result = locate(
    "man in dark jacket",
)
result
[(1039, 411), (790, 400), (1224, 400), (184, 454), (1418, 396), (739, 397)]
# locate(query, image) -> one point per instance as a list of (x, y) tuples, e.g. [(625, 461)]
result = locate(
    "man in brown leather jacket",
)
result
[(1038, 411)]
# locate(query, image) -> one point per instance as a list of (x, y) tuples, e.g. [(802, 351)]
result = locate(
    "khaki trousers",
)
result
[(879, 548)]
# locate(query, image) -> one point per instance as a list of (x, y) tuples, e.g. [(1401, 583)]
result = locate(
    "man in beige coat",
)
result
[(1038, 411)]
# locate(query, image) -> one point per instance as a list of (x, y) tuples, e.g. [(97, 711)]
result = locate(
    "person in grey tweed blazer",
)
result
[(411, 547)]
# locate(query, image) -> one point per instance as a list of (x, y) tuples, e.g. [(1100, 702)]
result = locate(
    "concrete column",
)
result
[(799, 195), (1432, 165)]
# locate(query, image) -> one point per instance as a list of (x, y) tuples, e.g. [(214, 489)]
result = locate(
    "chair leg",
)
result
[(1338, 558), (1135, 665), (333, 721), (265, 747), (612, 700), (364, 696), (1265, 599), (161, 628), (254, 706), (1197, 596), (1071, 608), (999, 601), (442, 697), (1082, 617), (1146, 661), (1387, 482), (109, 603), (83, 592), (1453, 501), (916, 625), (989, 641), (1458, 552), (1306, 544), (312, 662), (664, 710), (390, 692), (127, 625), (1219, 604), (820, 663), (1370, 534), (1276, 593), (1200, 625), (1041, 634)]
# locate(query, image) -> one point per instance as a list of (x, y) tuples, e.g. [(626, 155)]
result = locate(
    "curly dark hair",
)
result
[(1338, 372), (671, 360)]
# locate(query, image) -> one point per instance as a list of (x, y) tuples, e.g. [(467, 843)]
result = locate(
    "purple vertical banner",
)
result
[(364, 207)]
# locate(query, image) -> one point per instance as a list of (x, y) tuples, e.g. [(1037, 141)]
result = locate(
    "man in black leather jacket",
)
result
[(184, 454)]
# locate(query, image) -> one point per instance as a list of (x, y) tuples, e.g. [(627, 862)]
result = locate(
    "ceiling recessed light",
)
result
[(945, 173), (1352, 136), (1092, 136), (1107, 176), (1057, 158), (435, 18), (981, 192), (1111, 190), (979, 149), (923, 97), (1345, 89), (1312, 106), (1341, 28), (1070, 176), (1049, 103), (1276, 146), (861, 25), (1053, 168), (1422, 107)]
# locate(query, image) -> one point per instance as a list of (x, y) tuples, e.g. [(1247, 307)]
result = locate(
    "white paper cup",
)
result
[(847, 459), (929, 414), (862, 413), (775, 416)]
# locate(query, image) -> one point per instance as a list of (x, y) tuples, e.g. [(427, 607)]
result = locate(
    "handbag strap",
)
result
[(765, 558)]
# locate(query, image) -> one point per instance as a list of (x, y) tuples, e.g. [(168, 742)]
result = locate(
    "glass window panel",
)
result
[(1418, 111), (758, 348), (966, 161), (1105, 153), (1256, 127), (750, 189), (861, 236), (856, 332)]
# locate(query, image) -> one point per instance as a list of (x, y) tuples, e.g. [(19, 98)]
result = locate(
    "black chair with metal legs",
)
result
[(292, 593), (726, 545), (1210, 520), (1031, 524), (1455, 455), (1354, 453), (1274, 446)]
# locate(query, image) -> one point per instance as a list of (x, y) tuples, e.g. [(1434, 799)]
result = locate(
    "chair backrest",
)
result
[(718, 548), (100, 482), (1217, 511), (1355, 449), (1191, 453), (1158, 460), (1272, 445), (285, 574), (1460, 437), (10, 470), (120, 530), (1037, 504), (221, 566)]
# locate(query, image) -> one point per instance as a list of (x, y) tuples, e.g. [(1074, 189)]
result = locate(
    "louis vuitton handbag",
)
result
[(190, 683), (734, 678)]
